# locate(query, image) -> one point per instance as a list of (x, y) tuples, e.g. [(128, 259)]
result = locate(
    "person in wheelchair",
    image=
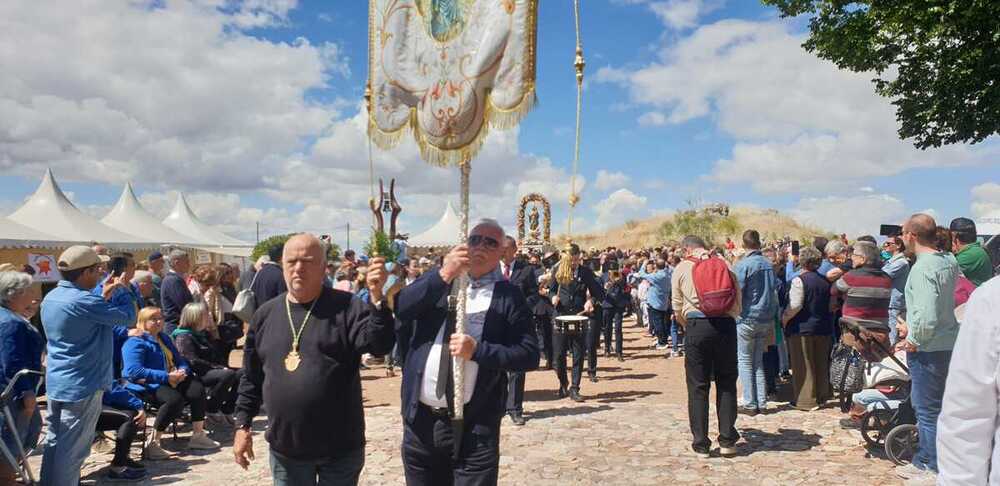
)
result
[(158, 373), (21, 347), (197, 339), (886, 386)]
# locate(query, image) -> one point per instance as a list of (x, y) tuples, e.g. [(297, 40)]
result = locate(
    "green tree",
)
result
[(265, 245), (937, 60)]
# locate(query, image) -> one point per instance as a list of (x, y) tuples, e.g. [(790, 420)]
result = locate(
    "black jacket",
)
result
[(508, 344), (573, 295), (523, 277)]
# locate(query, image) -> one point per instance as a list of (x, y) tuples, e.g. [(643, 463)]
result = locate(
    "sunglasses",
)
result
[(484, 241)]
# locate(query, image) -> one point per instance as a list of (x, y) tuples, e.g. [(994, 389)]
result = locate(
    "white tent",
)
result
[(989, 225), (129, 216), (49, 211), (184, 221), (17, 235), (443, 233)]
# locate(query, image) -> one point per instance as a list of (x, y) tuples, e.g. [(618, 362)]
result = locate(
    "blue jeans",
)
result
[(751, 340), (70, 433), (658, 319), (675, 337), (928, 372), (338, 471), (893, 334)]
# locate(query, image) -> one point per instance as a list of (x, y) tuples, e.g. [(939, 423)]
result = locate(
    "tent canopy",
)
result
[(19, 236), (184, 221), (989, 225), (443, 233), (49, 211), (129, 216)]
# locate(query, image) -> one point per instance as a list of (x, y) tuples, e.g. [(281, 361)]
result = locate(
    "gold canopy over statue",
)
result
[(449, 70)]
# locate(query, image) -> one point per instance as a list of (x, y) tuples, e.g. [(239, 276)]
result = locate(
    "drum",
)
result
[(569, 324)]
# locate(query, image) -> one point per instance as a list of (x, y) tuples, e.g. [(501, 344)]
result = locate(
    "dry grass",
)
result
[(646, 233)]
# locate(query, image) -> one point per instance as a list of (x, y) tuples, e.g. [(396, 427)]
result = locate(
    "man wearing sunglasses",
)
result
[(499, 338)]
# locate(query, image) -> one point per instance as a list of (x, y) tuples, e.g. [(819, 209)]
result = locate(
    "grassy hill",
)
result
[(660, 230)]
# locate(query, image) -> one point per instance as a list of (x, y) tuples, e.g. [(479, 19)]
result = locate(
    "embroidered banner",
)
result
[(449, 70)]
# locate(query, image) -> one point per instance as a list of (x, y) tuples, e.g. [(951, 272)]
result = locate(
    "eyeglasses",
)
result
[(484, 241)]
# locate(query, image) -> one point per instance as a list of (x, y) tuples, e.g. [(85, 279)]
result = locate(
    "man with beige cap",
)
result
[(78, 324)]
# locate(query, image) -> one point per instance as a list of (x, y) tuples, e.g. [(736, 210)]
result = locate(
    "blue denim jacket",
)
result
[(21, 347), (658, 296), (78, 325), (759, 285), (898, 268)]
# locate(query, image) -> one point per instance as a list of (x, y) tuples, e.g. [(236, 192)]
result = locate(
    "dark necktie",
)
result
[(445, 378)]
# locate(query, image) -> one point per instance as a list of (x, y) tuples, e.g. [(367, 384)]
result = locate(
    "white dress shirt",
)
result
[(968, 431), (477, 302)]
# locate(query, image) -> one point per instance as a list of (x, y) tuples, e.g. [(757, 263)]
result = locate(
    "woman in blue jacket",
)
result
[(159, 373), (21, 347)]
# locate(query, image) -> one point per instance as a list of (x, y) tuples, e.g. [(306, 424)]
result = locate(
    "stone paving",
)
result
[(632, 430)]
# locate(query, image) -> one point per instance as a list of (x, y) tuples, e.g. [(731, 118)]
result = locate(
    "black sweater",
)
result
[(314, 412)]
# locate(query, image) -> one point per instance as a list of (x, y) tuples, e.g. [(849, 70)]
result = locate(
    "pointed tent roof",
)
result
[(49, 211), (183, 220), (129, 216), (443, 233)]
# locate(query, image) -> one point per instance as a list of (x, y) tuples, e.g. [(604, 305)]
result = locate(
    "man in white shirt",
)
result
[(969, 423)]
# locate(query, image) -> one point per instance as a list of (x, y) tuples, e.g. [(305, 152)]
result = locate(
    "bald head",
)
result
[(303, 263), (923, 228)]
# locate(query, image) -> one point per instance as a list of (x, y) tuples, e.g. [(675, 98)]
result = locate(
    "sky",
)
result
[(254, 110)]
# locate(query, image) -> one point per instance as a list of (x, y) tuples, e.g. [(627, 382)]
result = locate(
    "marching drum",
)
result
[(569, 324)]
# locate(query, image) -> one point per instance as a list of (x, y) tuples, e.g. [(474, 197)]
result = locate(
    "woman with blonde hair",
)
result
[(158, 373), (193, 338)]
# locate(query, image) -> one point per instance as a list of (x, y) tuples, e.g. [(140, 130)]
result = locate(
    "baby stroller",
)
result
[(889, 423), (18, 462)]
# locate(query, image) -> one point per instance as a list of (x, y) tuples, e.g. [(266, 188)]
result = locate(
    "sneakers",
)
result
[(126, 474), (593, 378), (661, 347), (729, 451), (913, 472), (154, 452), (702, 453), (751, 412), (201, 441), (574, 395), (516, 418)]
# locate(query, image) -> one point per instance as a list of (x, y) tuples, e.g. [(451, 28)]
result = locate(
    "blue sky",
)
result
[(253, 110)]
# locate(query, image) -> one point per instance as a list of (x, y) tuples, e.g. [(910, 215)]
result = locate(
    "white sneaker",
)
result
[(201, 441), (911, 471), (154, 452), (728, 451)]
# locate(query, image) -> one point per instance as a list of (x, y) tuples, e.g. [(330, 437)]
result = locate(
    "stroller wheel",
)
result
[(873, 428), (901, 443)]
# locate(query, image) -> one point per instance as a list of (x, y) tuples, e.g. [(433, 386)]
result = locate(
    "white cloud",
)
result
[(682, 14), (652, 119), (986, 200), (856, 216), (618, 207), (610, 180), (800, 124)]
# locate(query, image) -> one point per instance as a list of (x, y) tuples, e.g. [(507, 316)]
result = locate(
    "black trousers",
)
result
[(710, 349), (543, 327), (171, 402), (515, 391), (613, 324), (221, 386), (561, 343), (428, 447), (594, 325), (125, 429)]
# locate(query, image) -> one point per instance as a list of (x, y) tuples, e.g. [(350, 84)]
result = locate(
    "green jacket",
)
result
[(975, 263)]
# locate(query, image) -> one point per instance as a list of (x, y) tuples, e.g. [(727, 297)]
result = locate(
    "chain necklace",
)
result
[(293, 359)]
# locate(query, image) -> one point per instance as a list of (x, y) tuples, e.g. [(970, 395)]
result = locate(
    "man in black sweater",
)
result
[(301, 359), (174, 293)]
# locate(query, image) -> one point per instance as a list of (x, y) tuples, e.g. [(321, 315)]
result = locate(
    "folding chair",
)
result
[(20, 462)]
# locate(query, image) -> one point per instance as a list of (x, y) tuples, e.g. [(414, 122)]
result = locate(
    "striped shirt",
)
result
[(867, 294)]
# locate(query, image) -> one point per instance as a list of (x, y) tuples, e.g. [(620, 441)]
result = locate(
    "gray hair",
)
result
[(869, 251), (490, 223), (834, 247), (176, 256), (810, 258), (692, 242), (192, 315), (142, 276), (11, 284)]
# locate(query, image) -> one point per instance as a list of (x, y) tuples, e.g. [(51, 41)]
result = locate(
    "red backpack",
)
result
[(715, 286)]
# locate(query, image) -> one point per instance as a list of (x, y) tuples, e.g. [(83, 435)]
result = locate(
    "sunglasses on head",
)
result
[(484, 241)]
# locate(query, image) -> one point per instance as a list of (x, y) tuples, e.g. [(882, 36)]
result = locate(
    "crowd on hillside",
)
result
[(120, 340)]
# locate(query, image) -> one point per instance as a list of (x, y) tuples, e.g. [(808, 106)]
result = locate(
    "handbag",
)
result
[(847, 370), (246, 302)]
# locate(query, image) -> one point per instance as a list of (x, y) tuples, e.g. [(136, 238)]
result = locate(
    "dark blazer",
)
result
[(523, 277), (508, 344), (174, 295)]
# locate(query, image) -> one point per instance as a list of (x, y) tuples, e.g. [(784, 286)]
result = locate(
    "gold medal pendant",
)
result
[(292, 361)]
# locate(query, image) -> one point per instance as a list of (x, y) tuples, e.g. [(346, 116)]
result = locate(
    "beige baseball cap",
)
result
[(77, 257), (7, 267)]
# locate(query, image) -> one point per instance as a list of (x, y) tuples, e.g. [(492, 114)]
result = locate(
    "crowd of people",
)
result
[(119, 340)]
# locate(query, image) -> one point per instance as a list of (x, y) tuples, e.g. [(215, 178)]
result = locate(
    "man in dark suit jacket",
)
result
[(499, 337), (174, 293), (522, 275)]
